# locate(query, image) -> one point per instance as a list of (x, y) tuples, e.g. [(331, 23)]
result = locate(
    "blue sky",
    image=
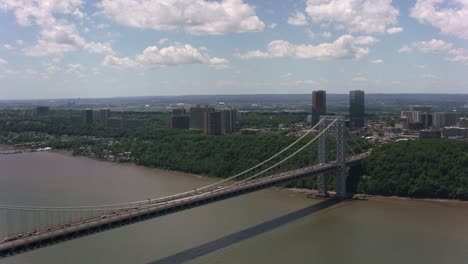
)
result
[(107, 48)]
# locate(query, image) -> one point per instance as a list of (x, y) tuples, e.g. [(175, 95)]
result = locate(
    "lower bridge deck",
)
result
[(128, 216)]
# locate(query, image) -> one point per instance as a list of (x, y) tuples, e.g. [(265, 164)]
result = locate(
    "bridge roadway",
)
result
[(124, 217)]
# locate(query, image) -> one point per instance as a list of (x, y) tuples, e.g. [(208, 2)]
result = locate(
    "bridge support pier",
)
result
[(340, 159), (337, 130), (322, 158)]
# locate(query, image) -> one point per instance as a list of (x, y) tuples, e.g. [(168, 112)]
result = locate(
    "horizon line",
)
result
[(194, 95)]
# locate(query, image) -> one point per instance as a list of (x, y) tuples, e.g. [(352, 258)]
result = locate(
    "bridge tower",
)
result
[(338, 131)]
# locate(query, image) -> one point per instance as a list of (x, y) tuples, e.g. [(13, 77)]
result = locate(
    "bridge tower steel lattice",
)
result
[(338, 131)]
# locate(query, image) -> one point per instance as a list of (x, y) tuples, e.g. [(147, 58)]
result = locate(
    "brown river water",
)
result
[(379, 230)]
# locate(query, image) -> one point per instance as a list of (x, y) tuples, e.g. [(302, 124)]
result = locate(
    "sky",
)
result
[(110, 48)]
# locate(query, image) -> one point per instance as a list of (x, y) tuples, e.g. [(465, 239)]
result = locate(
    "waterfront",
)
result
[(374, 231)]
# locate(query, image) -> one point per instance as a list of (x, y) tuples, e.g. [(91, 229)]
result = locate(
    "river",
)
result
[(379, 230)]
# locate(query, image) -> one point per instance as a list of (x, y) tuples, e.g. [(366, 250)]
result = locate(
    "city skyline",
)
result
[(94, 49)]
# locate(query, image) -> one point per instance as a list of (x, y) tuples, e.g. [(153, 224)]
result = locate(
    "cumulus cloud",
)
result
[(298, 19), (99, 48), (197, 17), (76, 69), (57, 35), (459, 55), (155, 57), (437, 46), (449, 16), (354, 16), (394, 30), (345, 47), (378, 61), (56, 39), (218, 63), (8, 47), (432, 46), (118, 63)]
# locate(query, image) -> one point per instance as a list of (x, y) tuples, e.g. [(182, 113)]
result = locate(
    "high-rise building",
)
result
[(213, 123), (104, 115), (425, 119), (178, 111), (228, 121), (180, 122), (42, 110), (115, 122), (197, 117), (87, 116), (319, 105), (356, 108), (444, 119)]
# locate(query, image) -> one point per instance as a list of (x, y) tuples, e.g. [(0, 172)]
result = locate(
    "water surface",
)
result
[(374, 231)]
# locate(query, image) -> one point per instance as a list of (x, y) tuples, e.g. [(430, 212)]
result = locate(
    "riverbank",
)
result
[(361, 196), (309, 193)]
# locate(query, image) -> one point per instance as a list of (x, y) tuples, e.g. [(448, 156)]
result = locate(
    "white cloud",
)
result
[(155, 57), (306, 82), (429, 76), (363, 16), (345, 47), (57, 35), (218, 63), (76, 69), (298, 19), (3, 63), (198, 17), (29, 12), (420, 66), (378, 61), (56, 39), (98, 47), (432, 46), (118, 63), (20, 42), (8, 47), (437, 46), (163, 41), (394, 30), (359, 79), (449, 16), (273, 25), (459, 55), (52, 68)]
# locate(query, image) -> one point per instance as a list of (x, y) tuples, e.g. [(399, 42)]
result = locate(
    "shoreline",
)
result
[(309, 193)]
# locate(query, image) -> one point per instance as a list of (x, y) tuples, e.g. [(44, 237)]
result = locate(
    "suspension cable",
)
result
[(174, 196)]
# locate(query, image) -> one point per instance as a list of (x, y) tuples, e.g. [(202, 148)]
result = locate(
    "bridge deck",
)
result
[(140, 213)]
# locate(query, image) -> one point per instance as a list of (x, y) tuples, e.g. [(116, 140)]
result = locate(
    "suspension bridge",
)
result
[(29, 227)]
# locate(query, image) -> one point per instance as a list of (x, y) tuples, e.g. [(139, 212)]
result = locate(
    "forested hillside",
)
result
[(421, 168)]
